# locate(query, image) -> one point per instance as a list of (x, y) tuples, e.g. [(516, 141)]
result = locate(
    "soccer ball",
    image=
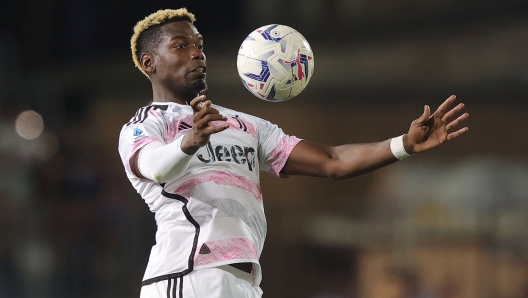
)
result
[(275, 62)]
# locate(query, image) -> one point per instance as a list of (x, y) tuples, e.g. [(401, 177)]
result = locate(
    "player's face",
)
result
[(180, 61)]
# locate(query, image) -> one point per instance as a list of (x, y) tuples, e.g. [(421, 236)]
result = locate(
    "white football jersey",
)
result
[(213, 213)]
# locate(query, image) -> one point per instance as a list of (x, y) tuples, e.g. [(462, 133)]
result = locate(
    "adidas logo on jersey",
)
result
[(184, 126), (205, 249)]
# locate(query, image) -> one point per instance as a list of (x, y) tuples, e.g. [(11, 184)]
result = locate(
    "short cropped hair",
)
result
[(147, 33)]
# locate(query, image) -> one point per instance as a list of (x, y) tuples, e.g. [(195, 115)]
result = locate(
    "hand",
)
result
[(429, 131), (202, 129)]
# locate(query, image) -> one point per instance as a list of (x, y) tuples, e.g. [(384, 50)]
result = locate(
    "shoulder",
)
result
[(238, 114), (144, 113)]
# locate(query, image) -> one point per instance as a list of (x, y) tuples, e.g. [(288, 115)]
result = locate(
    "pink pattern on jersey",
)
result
[(220, 178), (154, 113), (279, 156), (226, 250), (138, 145), (174, 127), (238, 124)]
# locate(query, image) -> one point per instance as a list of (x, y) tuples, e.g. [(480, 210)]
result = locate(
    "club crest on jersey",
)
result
[(138, 134)]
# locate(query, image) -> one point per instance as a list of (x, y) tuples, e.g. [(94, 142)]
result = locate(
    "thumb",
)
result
[(425, 116)]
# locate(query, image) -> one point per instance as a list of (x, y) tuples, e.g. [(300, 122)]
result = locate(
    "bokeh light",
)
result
[(29, 125)]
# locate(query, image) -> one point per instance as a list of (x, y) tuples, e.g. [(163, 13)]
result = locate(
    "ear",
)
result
[(147, 62)]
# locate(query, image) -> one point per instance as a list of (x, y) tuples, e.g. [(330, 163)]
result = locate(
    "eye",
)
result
[(200, 46), (179, 46)]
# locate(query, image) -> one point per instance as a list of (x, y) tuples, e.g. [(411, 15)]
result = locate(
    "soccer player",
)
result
[(197, 165)]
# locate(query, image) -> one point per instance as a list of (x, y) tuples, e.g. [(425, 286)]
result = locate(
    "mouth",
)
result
[(200, 69)]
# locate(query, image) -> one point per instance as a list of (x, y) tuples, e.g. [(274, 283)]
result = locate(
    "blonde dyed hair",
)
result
[(157, 18)]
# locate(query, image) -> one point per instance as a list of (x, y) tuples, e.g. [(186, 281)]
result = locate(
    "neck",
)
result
[(164, 95), (179, 94)]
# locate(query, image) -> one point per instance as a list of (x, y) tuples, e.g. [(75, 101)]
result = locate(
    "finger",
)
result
[(444, 107), (425, 116), (451, 114), (209, 110), (457, 133), (457, 121), (204, 122), (197, 103), (205, 105), (215, 129), (205, 110)]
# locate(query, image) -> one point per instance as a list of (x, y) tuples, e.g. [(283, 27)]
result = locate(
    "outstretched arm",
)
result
[(345, 161)]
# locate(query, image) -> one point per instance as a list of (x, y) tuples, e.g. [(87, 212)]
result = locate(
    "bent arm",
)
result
[(160, 162)]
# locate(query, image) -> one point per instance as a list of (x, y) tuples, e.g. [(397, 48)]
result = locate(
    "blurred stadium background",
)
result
[(448, 223)]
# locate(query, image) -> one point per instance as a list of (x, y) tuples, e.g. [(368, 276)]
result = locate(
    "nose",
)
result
[(197, 53)]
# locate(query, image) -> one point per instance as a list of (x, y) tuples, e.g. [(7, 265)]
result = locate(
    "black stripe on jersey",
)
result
[(141, 115), (144, 116), (174, 288), (135, 116), (181, 287), (193, 250), (169, 282), (161, 107)]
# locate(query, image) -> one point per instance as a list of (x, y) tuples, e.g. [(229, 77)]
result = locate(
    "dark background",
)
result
[(446, 223)]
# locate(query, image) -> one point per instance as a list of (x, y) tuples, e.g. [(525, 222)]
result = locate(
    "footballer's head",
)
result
[(147, 32), (168, 49)]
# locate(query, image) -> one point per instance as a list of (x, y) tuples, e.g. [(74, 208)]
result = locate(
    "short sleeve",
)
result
[(138, 133), (274, 146)]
